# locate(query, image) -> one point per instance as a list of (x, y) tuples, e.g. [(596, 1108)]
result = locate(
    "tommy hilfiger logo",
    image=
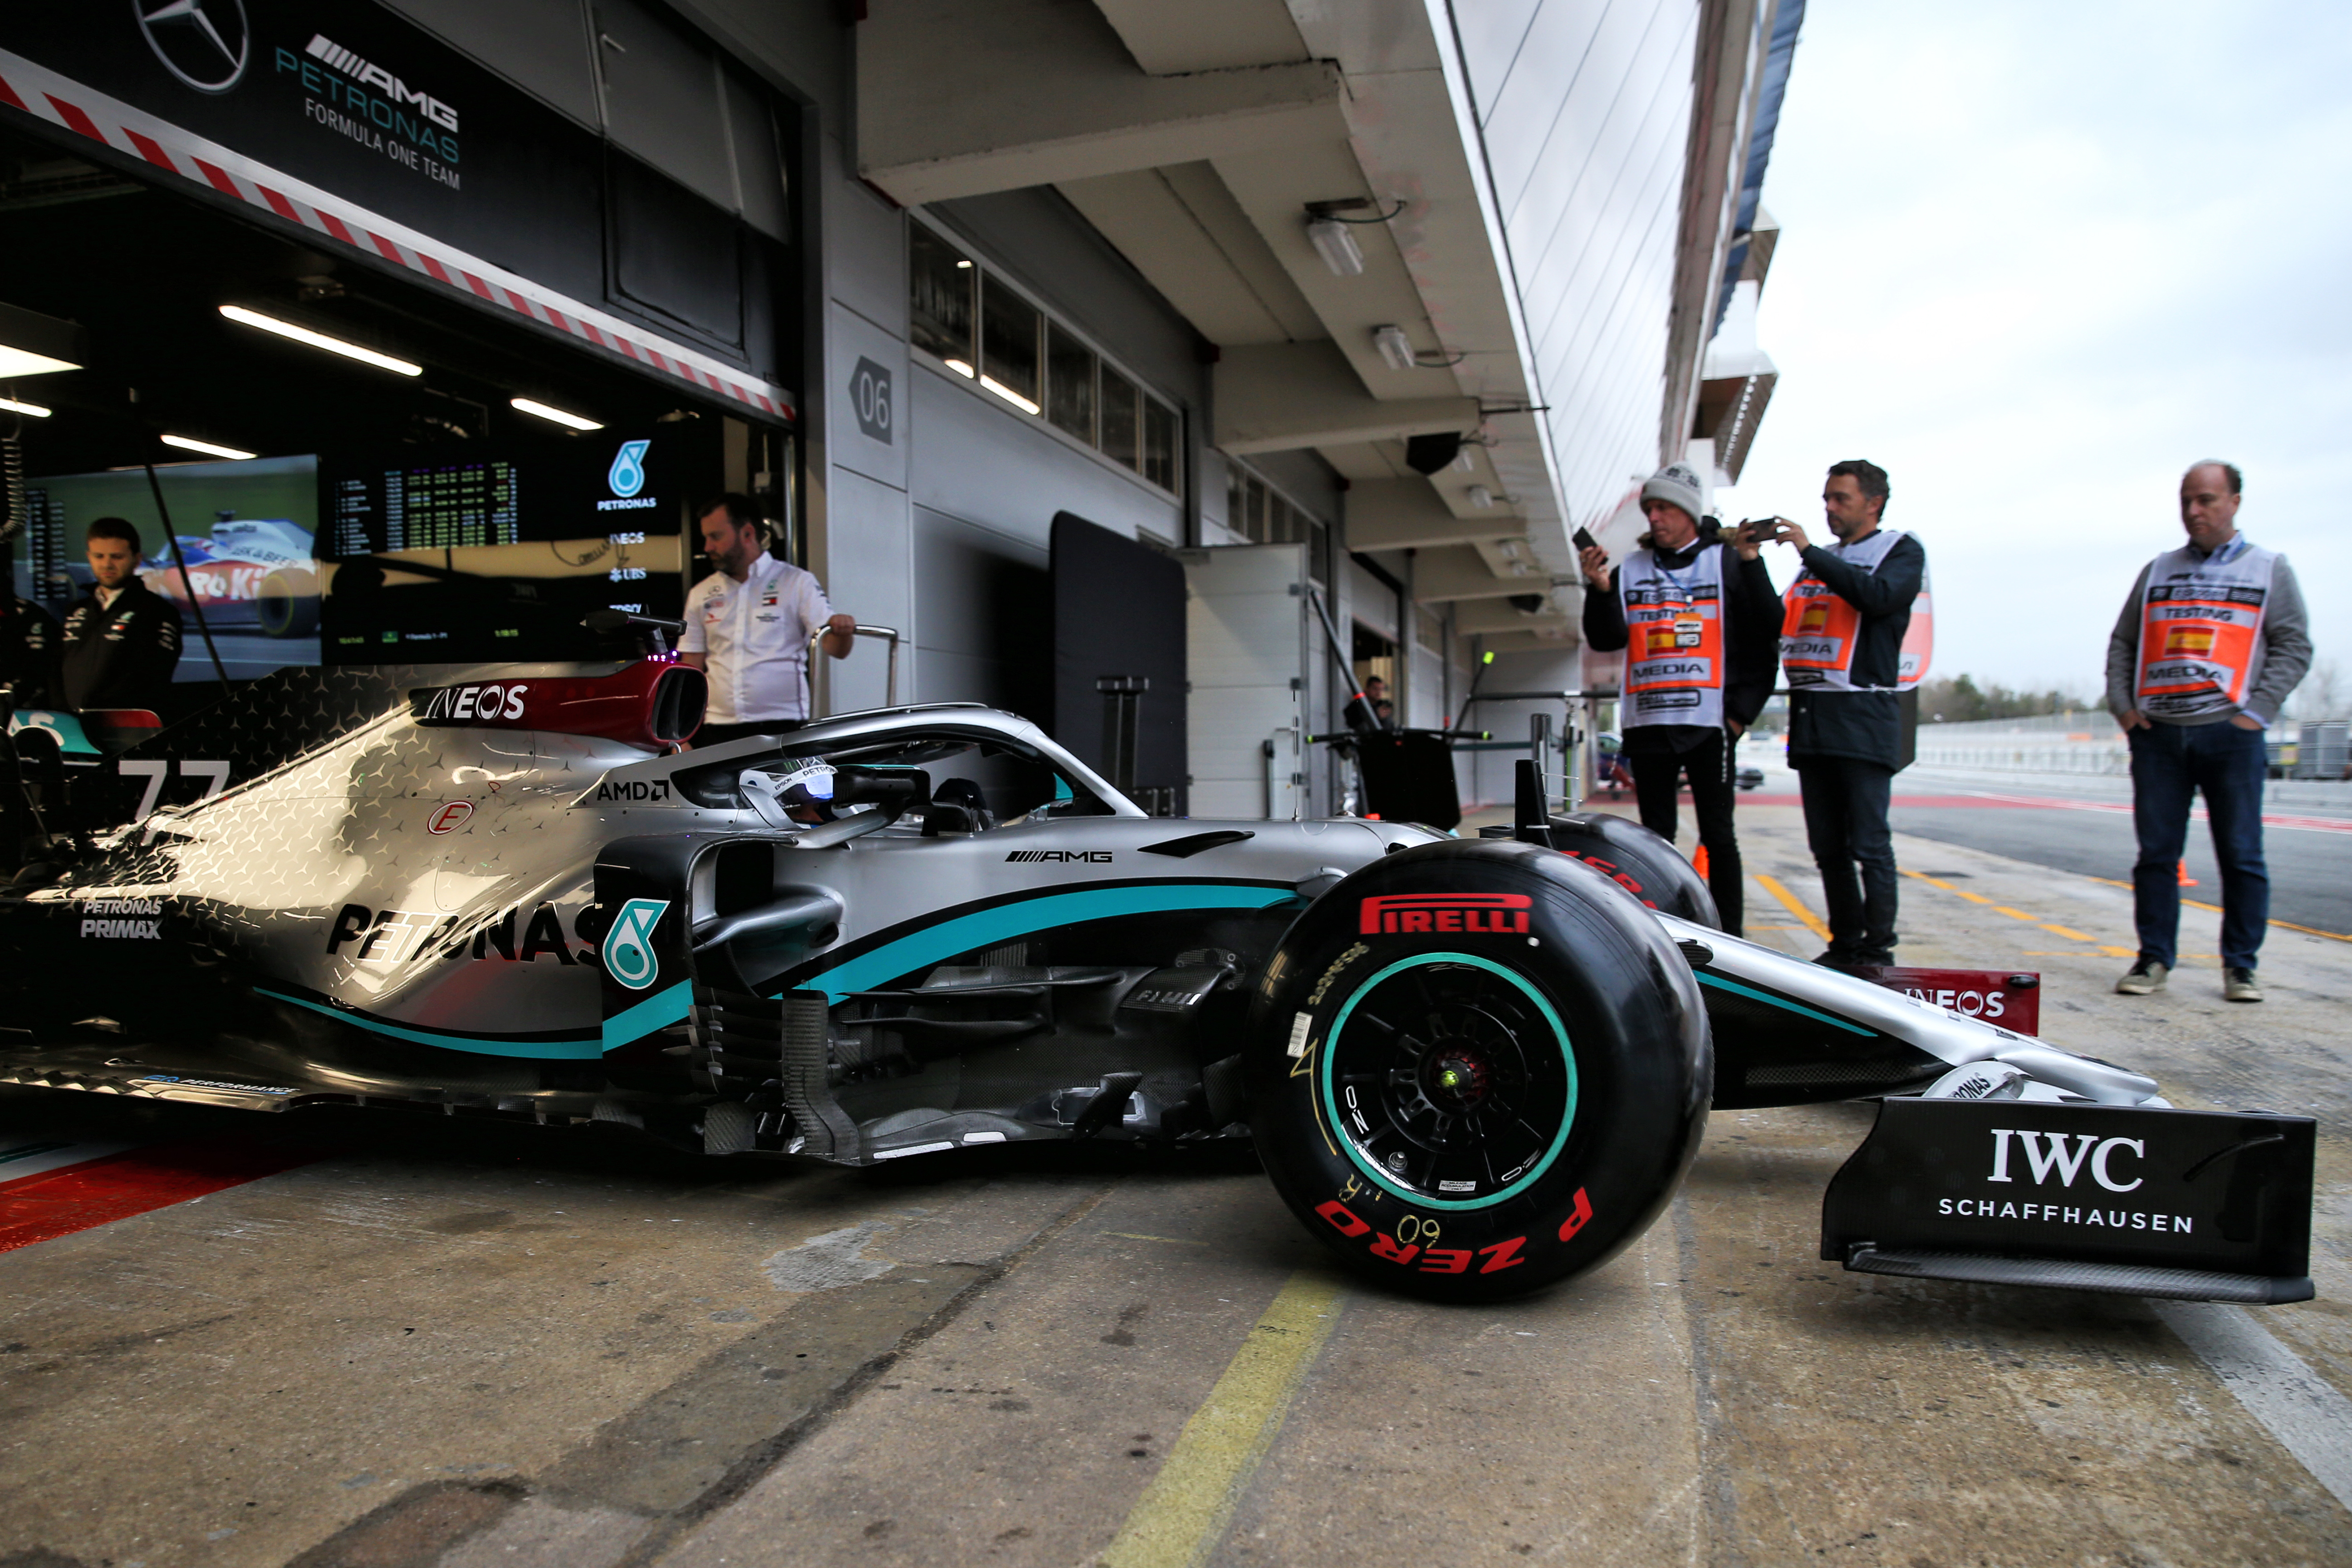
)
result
[(1391, 915), (1072, 856)]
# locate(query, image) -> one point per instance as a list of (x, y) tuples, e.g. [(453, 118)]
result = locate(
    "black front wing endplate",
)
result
[(2193, 1204)]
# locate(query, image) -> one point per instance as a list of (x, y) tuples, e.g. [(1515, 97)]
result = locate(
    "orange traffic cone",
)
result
[(2186, 880), (1698, 861)]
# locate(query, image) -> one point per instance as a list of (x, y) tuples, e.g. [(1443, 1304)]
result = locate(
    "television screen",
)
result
[(247, 532), (464, 554)]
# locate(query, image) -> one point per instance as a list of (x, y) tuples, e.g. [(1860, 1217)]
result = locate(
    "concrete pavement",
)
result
[(438, 1343)]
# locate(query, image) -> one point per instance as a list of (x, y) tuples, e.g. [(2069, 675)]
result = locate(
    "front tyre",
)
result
[(1477, 1068)]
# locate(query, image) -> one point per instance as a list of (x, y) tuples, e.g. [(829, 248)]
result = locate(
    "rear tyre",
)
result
[(1477, 1068), (1639, 862)]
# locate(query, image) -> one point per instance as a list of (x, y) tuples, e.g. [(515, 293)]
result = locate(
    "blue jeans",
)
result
[(2171, 763)]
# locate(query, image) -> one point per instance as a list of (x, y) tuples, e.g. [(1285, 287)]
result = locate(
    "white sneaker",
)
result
[(2144, 977)]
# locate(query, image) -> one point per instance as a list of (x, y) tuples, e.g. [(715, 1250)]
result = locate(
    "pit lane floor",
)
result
[(438, 1342)]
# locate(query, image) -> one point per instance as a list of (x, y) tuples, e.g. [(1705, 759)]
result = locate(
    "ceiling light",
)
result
[(10, 406), (541, 411), (35, 344), (958, 366), (1394, 346), (1337, 246), (1480, 496), (209, 449), (1007, 393), (239, 314)]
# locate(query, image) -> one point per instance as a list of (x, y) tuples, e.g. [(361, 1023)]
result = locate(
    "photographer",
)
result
[(1693, 608), (1842, 643)]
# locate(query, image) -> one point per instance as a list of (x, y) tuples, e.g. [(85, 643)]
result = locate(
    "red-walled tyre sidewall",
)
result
[(1624, 1013), (1639, 862)]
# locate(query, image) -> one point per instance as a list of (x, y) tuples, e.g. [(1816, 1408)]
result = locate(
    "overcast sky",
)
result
[(2038, 257)]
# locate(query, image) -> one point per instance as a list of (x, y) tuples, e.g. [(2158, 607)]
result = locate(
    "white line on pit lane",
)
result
[(21, 1155), (2309, 1416)]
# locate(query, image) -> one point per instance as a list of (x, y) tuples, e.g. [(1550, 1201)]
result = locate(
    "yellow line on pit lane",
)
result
[(1813, 922), (2215, 909), (2069, 932), (1184, 1513)]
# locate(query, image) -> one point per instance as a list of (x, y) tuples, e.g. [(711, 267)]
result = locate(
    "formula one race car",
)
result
[(1471, 1067)]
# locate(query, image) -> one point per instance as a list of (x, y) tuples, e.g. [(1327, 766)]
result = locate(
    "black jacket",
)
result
[(28, 653), (122, 655), (1867, 726), (1752, 645)]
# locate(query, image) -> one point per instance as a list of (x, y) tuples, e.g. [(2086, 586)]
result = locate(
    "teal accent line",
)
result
[(991, 928), (1378, 1176), (657, 1011), (1771, 1000), (583, 1049)]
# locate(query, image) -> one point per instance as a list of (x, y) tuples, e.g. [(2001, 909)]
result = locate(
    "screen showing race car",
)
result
[(462, 554), (246, 534)]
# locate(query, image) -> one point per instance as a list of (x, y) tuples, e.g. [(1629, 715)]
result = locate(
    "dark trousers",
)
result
[(2170, 763), (1657, 777), (1845, 823)]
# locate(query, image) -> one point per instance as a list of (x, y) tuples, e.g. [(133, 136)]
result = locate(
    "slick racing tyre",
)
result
[(1639, 862), (1477, 1068)]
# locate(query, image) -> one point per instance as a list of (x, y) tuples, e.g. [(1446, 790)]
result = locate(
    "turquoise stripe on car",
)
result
[(584, 1048), (1767, 998), (663, 1007), (990, 928)]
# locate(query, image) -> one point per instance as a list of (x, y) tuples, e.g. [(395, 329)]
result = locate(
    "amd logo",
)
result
[(2064, 1162), (1065, 856)]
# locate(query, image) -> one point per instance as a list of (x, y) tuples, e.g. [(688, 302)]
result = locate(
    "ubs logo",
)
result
[(204, 43)]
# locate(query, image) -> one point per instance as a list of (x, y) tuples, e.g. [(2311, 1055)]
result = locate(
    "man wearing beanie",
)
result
[(1842, 642), (1695, 611)]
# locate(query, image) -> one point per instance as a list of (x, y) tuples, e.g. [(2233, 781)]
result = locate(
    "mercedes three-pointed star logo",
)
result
[(204, 43)]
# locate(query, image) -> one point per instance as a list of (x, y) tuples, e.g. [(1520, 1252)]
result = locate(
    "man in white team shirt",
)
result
[(747, 625)]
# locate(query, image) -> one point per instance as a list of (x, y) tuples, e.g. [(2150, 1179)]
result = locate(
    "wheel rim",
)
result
[(1449, 1080)]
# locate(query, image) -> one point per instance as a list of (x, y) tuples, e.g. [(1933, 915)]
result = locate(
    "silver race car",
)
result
[(1472, 1067)]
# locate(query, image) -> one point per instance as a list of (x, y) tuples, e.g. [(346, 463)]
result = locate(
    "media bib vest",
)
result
[(2199, 623), (1820, 631), (1674, 655)]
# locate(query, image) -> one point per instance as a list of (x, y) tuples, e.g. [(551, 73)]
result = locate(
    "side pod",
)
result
[(2193, 1204)]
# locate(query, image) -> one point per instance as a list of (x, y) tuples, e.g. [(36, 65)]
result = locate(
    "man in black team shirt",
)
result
[(122, 642)]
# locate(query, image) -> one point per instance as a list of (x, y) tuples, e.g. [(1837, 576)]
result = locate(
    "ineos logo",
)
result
[(204, 43)]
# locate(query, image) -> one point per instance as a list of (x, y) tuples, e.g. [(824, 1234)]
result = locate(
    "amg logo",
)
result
[(2066, 1164), (1068, 857), (633, 789), (1390, 914), (382, 80)]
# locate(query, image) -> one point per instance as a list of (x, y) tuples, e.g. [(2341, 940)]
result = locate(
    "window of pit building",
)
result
[(944, 306), (976, 324), (1262, 514)]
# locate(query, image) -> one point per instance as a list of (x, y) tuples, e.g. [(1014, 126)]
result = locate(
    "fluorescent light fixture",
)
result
[(10, 406), (1394, 346), (958, 366), (244, 317), (541, 411), (1480, 496), (35, 344), (209, 449), (1337, 246), (963, 266), (14, 362), (1008, 396)]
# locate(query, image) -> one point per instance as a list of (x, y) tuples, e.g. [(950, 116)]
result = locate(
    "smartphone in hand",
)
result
[(1584, 540)]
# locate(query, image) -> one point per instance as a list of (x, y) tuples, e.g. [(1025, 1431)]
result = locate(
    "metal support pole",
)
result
[(1122, 724), (1539, 749)]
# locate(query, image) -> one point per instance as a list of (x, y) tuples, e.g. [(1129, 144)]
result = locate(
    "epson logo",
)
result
[(342, 60), (1064, 856), (2061, 1161)]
